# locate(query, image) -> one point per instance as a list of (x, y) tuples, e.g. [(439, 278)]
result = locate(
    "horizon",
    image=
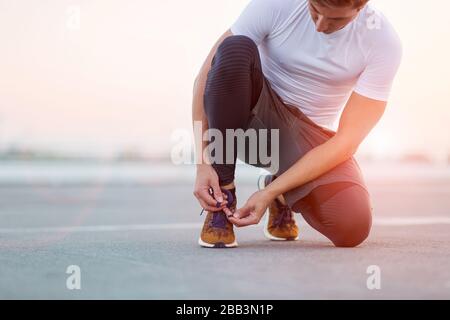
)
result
[(19, 154)]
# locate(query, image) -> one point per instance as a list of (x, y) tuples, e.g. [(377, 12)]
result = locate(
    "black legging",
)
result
[(231, 92), (342, 210)]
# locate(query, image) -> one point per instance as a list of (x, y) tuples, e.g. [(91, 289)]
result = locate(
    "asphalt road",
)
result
[(140, 242)]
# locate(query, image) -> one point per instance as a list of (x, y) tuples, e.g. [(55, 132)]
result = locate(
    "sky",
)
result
[(101, 76)]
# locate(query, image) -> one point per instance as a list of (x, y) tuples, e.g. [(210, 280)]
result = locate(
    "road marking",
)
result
[(131, 227), (411, 221), (393, 221)]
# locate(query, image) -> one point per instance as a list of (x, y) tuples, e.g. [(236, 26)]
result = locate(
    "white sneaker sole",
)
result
[(217, 245), (267, 234)]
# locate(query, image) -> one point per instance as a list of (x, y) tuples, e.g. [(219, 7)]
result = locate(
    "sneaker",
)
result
[(217, 231), (280, 222)]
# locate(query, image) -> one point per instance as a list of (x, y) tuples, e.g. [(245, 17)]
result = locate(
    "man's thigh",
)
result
[(269, 134)]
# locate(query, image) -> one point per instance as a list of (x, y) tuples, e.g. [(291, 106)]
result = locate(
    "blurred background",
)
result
[(91, 95), (100, 79)]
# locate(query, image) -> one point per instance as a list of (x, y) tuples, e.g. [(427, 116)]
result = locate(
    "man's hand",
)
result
[(207, 178), (252, 211)]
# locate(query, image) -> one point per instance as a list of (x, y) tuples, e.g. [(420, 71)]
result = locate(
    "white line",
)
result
[(392, 221), (408, 221), (132, 227), (411, 221)]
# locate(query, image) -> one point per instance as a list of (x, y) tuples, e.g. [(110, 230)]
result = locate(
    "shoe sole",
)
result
[(217, 245), (261, 186)]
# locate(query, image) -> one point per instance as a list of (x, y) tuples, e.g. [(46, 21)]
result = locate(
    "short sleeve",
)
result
[(258, 19), (375, 82)]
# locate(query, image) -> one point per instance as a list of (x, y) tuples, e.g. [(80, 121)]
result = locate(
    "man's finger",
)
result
[(206, 197), (248, 220), (217, 192), (228, 212), (205, 206), (242, 212)]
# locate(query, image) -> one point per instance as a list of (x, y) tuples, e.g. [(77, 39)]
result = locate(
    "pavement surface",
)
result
[(139, 241)]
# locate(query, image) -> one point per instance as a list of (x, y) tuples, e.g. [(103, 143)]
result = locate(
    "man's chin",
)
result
[(333, 31)]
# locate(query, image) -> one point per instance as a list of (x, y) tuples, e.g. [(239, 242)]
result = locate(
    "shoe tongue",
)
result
[(284, 213)]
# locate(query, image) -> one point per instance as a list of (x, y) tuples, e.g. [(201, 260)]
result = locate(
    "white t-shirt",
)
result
[(315, 71)]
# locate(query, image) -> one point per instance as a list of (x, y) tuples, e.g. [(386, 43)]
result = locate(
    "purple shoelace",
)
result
[(219, 219)]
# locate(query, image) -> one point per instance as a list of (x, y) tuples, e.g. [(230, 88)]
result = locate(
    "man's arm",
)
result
[(360, 115)]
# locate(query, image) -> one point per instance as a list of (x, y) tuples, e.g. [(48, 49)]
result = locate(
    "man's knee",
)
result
[(236, 48), (232, 69), (354, 229)]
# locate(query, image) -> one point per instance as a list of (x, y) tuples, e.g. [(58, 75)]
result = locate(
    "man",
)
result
[(294, 66)]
